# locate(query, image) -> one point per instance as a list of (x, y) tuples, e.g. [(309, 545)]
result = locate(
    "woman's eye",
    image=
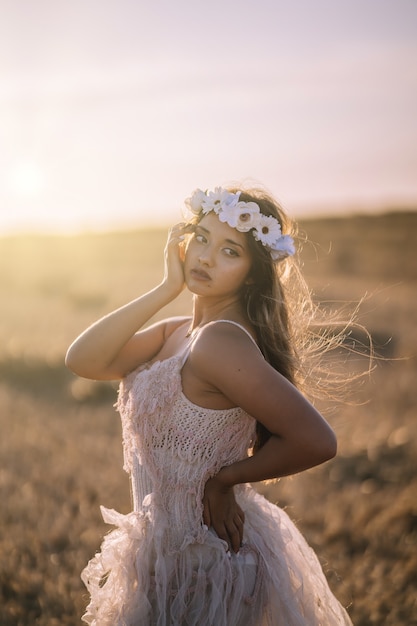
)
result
[(231, 252), (200, 238)]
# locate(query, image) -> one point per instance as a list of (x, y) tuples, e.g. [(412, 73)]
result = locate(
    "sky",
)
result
[(113, 111)]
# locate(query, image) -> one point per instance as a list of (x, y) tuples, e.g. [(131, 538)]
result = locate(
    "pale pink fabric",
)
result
[(162, 566)]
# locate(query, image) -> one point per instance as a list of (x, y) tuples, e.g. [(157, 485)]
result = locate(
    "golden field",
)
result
[(60, 444)]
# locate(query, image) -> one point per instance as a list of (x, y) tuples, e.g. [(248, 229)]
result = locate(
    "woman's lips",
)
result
[(199, 274)]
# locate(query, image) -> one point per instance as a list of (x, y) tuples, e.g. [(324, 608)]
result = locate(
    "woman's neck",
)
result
[(205, 311)]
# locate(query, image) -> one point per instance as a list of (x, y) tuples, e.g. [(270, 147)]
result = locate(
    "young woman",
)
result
[(209, 404)]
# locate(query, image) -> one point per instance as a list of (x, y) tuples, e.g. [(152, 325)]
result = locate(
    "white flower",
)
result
[(267, 230), (243, 216), (229, 199), (219, 199), (283, 247), (195, 202)]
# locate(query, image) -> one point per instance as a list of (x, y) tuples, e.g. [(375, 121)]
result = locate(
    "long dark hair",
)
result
[(293, 333), (265, 300), (298, 337)]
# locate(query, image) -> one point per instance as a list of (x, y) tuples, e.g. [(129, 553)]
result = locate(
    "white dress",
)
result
[(162, 566)]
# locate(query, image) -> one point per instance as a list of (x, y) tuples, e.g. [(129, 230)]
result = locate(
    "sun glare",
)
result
[(27, 180)]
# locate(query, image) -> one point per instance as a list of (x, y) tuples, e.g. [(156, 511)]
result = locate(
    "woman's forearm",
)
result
[(277, 458), (97, 347)]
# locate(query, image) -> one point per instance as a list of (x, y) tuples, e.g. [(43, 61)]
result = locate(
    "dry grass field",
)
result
[(60, 446)]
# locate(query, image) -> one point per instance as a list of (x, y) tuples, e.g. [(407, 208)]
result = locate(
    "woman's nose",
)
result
[(206, 257)]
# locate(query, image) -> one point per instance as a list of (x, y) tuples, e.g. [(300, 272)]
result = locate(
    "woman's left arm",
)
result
[(300, 437)]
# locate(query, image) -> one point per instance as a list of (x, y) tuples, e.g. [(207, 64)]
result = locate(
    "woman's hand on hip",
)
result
[(222, 513)]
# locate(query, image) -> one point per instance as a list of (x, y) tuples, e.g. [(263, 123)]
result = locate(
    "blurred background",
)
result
[(111, 113)]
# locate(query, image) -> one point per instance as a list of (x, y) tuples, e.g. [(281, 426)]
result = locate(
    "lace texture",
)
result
[(162, 566)]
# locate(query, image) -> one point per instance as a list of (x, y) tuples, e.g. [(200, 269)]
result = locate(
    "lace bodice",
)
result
[(171, 445)]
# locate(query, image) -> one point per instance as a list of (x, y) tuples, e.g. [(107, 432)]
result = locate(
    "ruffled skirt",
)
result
[(275, 580)]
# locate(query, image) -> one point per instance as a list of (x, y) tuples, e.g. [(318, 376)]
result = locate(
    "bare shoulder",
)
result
[(164, 328), (223, 345), (145, 345), (226, 360), (171, 324)]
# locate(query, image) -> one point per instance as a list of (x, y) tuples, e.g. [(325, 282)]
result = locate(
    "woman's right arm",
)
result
[(112, 347)]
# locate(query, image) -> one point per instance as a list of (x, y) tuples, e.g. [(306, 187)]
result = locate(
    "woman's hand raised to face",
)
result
[(174, 257), (115, 344)]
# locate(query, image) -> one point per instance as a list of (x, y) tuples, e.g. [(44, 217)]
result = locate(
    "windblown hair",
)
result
[(294, 334)]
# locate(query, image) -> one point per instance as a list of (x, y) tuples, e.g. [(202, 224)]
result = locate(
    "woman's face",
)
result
[(217, 260)]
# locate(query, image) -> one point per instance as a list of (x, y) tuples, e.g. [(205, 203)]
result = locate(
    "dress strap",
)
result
[(187, 349), (239, 326), (194, 337)]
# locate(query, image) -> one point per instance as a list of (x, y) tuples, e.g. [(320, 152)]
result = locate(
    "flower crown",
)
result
[(245, 217)]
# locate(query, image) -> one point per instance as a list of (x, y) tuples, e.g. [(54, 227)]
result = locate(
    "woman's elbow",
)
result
[(327, 448), (76, 364), (72, 363)]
